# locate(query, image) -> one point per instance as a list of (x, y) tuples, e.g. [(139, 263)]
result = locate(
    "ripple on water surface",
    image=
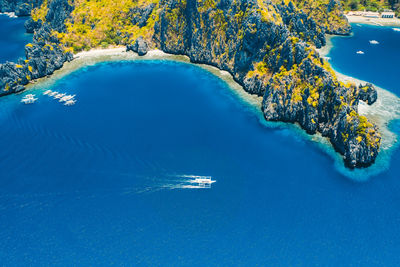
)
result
[(101, 176)]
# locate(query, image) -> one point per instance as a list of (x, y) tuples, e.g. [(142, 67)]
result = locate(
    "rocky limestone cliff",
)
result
[(268, 48), (270, 55), (328, 14), (43, 56)]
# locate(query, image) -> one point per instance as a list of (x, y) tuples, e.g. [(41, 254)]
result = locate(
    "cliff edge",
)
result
[(267, 46)]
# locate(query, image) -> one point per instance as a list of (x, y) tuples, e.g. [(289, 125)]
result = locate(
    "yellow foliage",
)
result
[(105, 22), (40, 13)]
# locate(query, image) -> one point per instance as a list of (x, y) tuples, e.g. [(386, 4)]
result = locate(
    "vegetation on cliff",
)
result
[(327, 13)]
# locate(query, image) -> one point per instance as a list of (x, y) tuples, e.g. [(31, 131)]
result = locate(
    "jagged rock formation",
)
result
[(269, 56), (140, 46), (328, 14), (43, 56), (368, 93), (268, 48)]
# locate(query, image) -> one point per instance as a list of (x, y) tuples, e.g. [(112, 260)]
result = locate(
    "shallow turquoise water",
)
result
[(99, 183)]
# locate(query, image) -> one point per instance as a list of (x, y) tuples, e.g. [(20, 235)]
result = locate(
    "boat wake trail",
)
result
[(173, 182), (17, 201)]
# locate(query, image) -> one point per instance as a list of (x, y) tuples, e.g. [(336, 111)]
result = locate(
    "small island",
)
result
[(269, 47)]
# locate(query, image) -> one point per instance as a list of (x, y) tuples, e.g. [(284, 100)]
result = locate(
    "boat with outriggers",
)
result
[(66, 98), (29, 99), (200, 181), (70, 102), (58, 96)]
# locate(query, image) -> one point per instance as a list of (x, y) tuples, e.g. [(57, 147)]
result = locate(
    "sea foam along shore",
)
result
[(252, 102), (383, 112)]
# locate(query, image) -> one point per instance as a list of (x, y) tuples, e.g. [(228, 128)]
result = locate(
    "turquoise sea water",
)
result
[(12, 38), (101, 182)]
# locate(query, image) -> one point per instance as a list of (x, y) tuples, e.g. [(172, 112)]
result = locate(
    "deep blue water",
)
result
[(94, 183), (379, 63), (13, 38)]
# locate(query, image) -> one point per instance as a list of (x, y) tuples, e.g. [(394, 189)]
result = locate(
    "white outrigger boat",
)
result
[(29, 99), (66, 98), (201, 181), (47, 92), (52, 93), (70, 102)]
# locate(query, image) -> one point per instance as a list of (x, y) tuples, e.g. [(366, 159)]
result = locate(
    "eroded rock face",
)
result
[(269, 56), (140, 46), (141, 15), (43, 56), (368, 93), (31, 25)]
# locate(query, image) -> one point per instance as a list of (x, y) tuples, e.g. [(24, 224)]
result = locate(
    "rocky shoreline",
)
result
[(269, 56)]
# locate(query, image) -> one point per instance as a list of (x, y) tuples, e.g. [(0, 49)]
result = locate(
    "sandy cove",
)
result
[(382, 112)]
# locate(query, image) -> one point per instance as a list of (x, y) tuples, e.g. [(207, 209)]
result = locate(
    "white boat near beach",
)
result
[(29, 99), (58, 96), (66, 98), (70, 102)]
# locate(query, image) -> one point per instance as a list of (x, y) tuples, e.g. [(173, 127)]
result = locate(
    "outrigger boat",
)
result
[(58, 96), (201, 181), (70, 102), (29, 99), (66, 98)]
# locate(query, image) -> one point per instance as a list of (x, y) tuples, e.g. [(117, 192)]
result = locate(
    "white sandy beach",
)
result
[(94, 56)]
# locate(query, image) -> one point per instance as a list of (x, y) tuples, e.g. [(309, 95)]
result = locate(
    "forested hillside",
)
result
[(372, 5)]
